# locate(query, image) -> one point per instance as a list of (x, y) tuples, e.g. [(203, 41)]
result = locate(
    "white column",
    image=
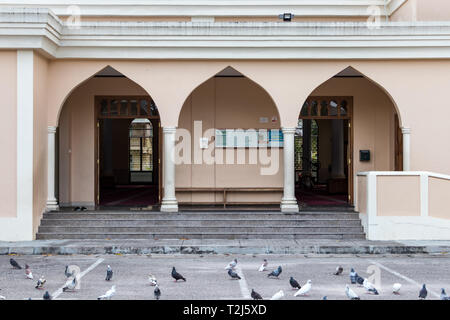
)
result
[(169, 201), (337, 164), (406, 148), (289, 202), (52, 203)]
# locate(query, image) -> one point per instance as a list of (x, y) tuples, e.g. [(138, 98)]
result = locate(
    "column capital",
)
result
[(288, 130), (51, 129), (406, 130), (169, 129)]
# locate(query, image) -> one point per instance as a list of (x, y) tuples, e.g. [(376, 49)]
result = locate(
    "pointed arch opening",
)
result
[(348, 124), (97, 150)]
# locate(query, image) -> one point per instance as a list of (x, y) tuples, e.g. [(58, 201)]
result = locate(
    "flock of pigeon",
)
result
[(231, 267)]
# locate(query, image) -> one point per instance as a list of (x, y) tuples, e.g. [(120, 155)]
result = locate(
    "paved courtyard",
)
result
[(207, 278)]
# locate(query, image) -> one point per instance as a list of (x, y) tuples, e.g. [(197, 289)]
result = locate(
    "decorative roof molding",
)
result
[(40, 29), (218, 8)]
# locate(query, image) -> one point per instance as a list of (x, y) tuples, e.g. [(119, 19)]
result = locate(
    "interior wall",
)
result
[(77, 137), (227, 103), (8, 135)]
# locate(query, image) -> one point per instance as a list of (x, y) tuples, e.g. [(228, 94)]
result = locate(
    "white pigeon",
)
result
[(350, 293), (231, 265), (370, 287), (152, 280), (396, 288), (28, 272), (263, 266), (109, 294), (71, 285), (2, 298), (304, 289), (278, 295)]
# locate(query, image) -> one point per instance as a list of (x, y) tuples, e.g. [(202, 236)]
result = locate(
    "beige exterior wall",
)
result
[(8, 136), (40, 139), (423, 10), (361, 195), (398, 196), (438, 190)]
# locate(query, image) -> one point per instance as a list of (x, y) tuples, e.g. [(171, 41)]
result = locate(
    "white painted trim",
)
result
[(424, 195), (218, 8), (371, 204), (40, 29), (405, 173), (21, 227), (52, 202)]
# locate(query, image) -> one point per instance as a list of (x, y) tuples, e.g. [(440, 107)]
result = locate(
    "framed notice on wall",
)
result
[(248, 138)]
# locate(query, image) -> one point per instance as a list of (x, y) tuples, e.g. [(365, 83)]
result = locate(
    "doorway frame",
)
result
[(349, 118), (98, 117)]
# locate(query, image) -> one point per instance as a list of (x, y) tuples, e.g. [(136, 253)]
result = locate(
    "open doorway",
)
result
[(323, 152), (128, 172)]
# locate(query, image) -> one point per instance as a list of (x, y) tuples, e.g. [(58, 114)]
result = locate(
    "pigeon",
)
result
[(28, 272), (47, 296), (2, 298), (231, 265), (276, 272), (67, 273), (109, 273), (350, 293), (325, 298), (359, 280), (152, 280), (294, 283), (423, 292), (444, 295), (339, 270), (304, 290), (278, 295), (77, 209), (40, 283), (157, 292), (263, 266), (176, 275), (14, 264), (71, 285), (396, 288), (370, 287), (233, 274), (255, 295), (109, 294), (83, 209)]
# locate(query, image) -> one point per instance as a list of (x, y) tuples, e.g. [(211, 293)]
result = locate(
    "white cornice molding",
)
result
[(218, 8), (41, 30)]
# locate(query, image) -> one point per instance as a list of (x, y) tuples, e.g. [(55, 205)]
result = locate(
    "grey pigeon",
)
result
[(423, 292), (255, 295), (109, 273), (353, 275), (67, 273), (71, 286), (294, 283), (176, 275), (276, 272), (359, 280), (339, 270), (47, 296), (157, 292), (14, 264), (444, 295), (233, 274), (325, 298)]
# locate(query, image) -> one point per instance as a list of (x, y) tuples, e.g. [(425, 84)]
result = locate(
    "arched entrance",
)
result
[(128, 151), (347, 125), (109, 144)]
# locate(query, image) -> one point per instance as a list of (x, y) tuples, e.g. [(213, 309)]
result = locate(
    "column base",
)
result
[(169, 205), (289, 205), (52, 205)]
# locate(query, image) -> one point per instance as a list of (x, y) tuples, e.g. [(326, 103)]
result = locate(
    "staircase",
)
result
[(332, 223)]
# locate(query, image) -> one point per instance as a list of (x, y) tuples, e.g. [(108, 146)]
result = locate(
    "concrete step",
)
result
[(199, 229), (199, 222), (197, 215), (222, 235)]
